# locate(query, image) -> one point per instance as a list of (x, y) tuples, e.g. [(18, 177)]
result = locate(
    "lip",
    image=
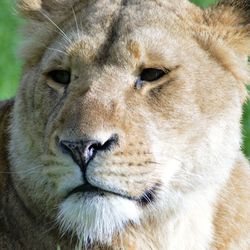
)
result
[(89, 188), (147, 197), (85, 188)]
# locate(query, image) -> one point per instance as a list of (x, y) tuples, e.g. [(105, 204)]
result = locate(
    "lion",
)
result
[(125, 132)]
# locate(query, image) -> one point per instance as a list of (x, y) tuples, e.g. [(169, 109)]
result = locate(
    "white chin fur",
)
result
[(95, 218)]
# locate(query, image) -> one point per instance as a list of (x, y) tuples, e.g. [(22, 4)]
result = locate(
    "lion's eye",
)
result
[(60, 76), (151, 74)]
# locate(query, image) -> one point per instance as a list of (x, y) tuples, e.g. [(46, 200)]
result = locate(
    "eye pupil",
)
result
[(152, 74), (60, 76)]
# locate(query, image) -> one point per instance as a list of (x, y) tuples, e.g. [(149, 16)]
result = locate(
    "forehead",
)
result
[(95, 27), (123, 16), (135, 12)]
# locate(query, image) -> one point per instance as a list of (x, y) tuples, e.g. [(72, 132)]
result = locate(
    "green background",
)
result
[(10, 65)]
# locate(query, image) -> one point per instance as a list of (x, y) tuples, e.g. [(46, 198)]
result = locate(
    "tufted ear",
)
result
[(38, 9), (230, 20)]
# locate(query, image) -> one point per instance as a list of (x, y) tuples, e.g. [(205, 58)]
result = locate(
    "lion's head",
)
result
[(125, 108)]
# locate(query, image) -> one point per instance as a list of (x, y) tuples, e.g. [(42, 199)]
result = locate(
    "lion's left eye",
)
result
[(60, 76), (151, 74)]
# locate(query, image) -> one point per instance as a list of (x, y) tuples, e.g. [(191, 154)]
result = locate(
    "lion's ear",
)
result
[(5, 111), (40, 10), (240, 8), (230, 20)]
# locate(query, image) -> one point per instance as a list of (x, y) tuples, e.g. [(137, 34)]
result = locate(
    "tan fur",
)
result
[(179, 137), (231, 225)]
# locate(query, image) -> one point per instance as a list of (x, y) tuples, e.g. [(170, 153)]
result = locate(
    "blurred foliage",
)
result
[(10, 65), (246, 127), (203, 3)]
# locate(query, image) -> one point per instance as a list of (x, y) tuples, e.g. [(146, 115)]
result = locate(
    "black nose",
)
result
[(82, 152)]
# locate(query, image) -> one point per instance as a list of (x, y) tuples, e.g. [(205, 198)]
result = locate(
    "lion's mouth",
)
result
[(147, 197), (86, 188)]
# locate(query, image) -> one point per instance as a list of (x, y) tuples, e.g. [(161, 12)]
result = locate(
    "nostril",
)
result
[(110, 143), (67, 146), (91, 148)]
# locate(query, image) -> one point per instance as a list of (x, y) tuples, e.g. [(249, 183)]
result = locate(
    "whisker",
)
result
[(153, 162), (21, 171), (51, 21), (145, 196), (58, 50), (63, 46), (51, 227), (77, 26)]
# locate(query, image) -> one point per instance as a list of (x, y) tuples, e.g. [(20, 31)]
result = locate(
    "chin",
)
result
[(96, 218)]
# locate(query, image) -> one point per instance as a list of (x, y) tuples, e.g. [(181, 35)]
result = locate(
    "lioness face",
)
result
[(123, 110)]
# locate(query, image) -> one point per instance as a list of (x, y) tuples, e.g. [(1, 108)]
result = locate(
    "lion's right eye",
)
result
[(60, 76)]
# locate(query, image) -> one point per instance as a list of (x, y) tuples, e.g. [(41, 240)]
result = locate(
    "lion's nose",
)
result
[(82, 152)]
